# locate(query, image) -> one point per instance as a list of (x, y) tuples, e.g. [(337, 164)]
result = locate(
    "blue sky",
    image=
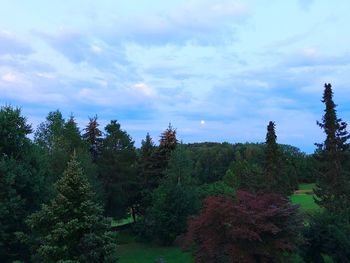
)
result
[(217, 70)]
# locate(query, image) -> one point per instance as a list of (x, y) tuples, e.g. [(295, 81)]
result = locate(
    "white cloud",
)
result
[(96, 49), (144, 89), (9, 77), (310, 52)]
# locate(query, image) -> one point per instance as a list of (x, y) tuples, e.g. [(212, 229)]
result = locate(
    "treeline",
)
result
[(60, 191)]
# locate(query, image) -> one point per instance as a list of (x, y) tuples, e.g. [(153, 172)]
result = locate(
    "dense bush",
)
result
[(252, 228), (327, 234)]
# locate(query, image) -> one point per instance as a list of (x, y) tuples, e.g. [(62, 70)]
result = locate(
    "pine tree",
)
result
[(333, 187), (71, 227), (92, 136), (167, 144)]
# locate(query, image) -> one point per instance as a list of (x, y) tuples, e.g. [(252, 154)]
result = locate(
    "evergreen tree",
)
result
[(71, 135), (167, 144), (146, 173), (173, 201), (71, 227), (333, 186), (118, 171), (274, 181), (22, 181), (93, 136)]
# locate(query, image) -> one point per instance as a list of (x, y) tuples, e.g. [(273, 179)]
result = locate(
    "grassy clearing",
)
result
[(133, 251), (306, 186), (143, 253), (121, 222), (306, 202), (305, 198)]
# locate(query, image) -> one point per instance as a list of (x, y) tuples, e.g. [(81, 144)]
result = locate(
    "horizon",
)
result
[(218, 72)]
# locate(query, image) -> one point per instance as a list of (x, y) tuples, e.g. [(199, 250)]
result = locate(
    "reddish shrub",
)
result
[(252, 228)]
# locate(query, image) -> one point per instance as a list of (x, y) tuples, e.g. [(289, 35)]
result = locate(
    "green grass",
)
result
[(305, 198), (306, 186), (143, 253), (306, 202), (131, 250), (121, 222)]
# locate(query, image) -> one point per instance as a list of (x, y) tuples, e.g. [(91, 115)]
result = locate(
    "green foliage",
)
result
[(161, 156), (147, 174), (219, 188), (211, 160), (58, 140), (333, 186), (327, 234), (92, 136), (244, 175), (117, 170), (275, 180), (173, 201), (21, 181), (71, 227)]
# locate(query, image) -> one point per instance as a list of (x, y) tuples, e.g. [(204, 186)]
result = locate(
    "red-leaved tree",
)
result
[(252, 228)]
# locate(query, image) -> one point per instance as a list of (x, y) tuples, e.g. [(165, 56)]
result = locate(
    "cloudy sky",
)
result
[(218, 70)]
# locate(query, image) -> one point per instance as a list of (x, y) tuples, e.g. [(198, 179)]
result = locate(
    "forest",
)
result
[(89, 195)]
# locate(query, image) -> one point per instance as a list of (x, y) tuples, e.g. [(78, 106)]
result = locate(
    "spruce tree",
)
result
[(271, 159), (92, 136), (274, 179), (167, 144), (333, 189), (71, 227), (146, 173)]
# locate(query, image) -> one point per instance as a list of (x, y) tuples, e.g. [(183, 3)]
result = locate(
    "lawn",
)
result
[(121, 222), (144, 253), (305, 198)]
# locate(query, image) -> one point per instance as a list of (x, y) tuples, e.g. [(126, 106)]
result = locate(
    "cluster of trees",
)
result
[(226, 202)]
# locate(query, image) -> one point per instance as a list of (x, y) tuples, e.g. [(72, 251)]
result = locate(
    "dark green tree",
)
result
[(173, 201), (326, 234), (167, 144), (118, 170), (71, 135), (49, 137), (22, 181), (93, 138), (146, 173), (49, 133), (71, 227), (245, 175), (333, 186), (274, 180)]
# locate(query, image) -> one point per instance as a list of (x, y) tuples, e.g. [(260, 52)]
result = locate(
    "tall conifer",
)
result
[(332, 190)]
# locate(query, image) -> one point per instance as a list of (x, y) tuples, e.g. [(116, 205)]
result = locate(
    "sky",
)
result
[(217, 70)]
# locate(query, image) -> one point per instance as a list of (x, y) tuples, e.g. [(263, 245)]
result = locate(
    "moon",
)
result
[(202, 122)]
